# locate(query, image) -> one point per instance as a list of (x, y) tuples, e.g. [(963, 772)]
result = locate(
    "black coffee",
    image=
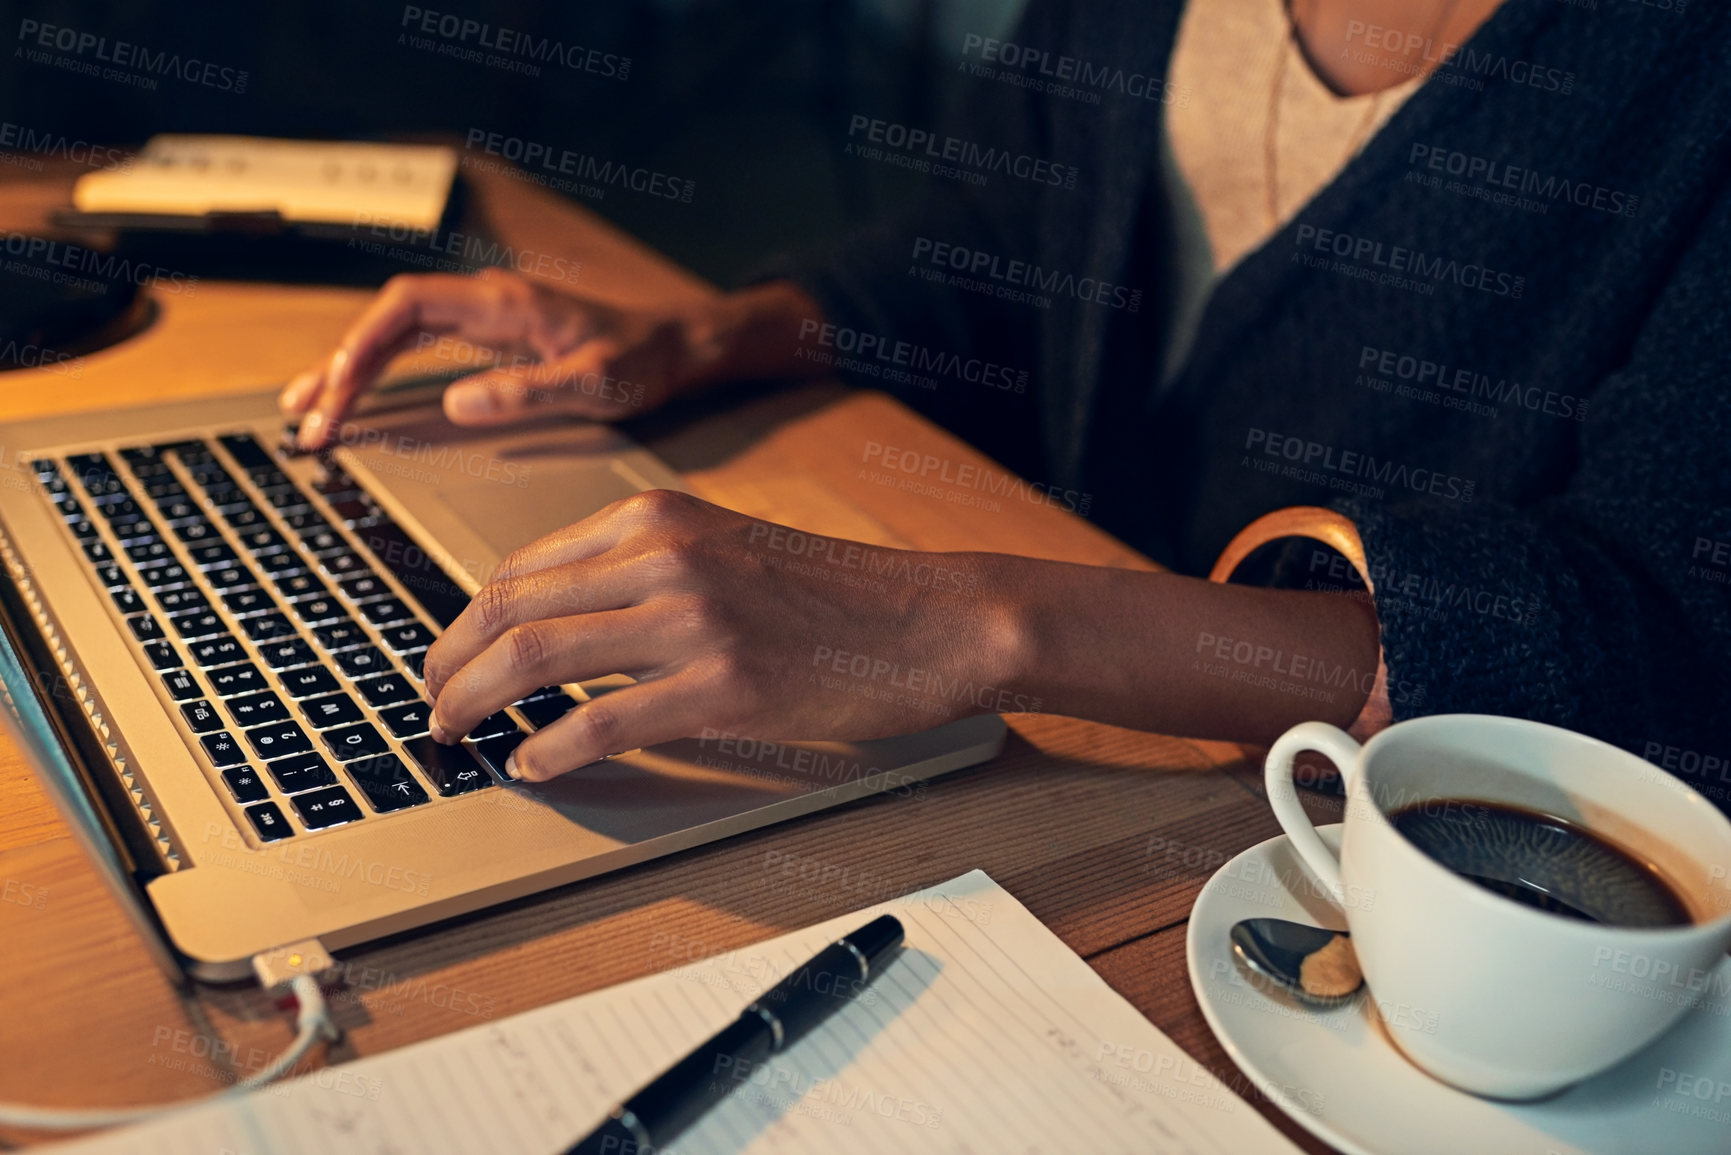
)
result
[(1542, 861)]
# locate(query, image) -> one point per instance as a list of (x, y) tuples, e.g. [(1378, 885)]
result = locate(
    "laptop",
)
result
[(213, 657)]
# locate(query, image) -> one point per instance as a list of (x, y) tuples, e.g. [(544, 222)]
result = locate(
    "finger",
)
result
[(624, 719), (499, 396), (299, 392), (600, 531), (551, 651), (580, 588), (487, 311)]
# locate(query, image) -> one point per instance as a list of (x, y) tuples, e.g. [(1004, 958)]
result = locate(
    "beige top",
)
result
[(1256, 135)]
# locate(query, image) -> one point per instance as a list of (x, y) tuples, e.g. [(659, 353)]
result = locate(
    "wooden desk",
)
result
[(1074, 819)]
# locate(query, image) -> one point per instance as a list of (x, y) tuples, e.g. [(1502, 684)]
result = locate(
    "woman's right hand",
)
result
[(549, 351)]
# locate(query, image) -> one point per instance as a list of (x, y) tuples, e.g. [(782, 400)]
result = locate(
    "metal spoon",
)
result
[(1276, 949)]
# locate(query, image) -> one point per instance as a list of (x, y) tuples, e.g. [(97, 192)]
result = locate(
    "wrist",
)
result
[(1000, 644), (750, 333)]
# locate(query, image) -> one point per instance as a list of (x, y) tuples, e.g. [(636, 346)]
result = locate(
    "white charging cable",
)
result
[(313, 1022)]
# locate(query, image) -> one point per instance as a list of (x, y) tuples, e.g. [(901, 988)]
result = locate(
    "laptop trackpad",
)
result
[(508, 517), (481, 492)]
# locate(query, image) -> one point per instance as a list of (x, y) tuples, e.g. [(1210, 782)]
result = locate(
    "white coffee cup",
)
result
[(1500, 998)]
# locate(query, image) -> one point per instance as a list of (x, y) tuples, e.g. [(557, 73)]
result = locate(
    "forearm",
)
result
[(1174, 654)]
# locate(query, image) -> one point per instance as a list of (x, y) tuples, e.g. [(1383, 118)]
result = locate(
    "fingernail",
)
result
[(469, 402), (438, 731), (299, 391), (511, 766), (312, 432)]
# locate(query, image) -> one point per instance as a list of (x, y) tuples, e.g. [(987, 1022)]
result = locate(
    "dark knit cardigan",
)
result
[(1499, 341)]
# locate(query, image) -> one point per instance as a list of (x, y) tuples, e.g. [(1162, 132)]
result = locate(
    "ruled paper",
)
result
[(985, 1035)]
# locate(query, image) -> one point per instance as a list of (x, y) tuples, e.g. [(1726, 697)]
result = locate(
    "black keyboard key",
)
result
[(177, 506), (160, 576), (118, 512), (151, 551), (243, 783), (163, 487), (181, 684), (197, 624), (308, 680), (301, 585), (363, 662), (243, 602), (229, 577), (233, 681), (406, 721), (263, 541), (199, 532), (268, 628), (321, 609), (451, 769), (97, 552), (280, 563), (324, 540), (355, 511), (201, 716), (305, 521), (301, 772), (361, 588), (223, 749), (331, 806), (339, 564), (385, 611), (388, 690), (360, 741), (409, 636), (333, 480), (44, 468), (246, 451), (340, 635), (493, 751), (268, 821), (144, 627), (112, 576), (217, 651), (543, 712), (277, 739), (416, 663), (269, 478), (257, 710), (214, 554), (333, 710), (212, 475), (85, 531), (127, 601), (493, 725), (183, 600), (244, 516), (291, 652), (386, 782), (161, 655), (285, 497)]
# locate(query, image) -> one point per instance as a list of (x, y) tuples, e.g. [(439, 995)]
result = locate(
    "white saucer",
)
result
[(1338, 1076)]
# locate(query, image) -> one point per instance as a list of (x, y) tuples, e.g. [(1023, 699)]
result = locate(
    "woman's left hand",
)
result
[(727, 624)]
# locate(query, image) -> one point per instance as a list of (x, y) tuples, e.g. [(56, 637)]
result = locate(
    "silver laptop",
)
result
[(223, 644)]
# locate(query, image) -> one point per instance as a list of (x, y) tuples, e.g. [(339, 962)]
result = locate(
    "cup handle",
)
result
[(1339, 748)]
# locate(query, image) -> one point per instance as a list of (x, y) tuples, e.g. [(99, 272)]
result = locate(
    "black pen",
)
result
[(651, 1119)]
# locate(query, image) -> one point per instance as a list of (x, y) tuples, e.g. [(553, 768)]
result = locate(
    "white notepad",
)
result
[(403, 186), (987, 1035)]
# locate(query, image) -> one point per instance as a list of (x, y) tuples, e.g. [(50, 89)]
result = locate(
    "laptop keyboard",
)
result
[(263, 610)]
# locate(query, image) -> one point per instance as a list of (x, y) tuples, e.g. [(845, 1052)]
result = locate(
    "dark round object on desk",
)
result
[(43, 323)]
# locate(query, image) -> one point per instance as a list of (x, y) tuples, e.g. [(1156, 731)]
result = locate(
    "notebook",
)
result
[(986, 1034), (304, 182)]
